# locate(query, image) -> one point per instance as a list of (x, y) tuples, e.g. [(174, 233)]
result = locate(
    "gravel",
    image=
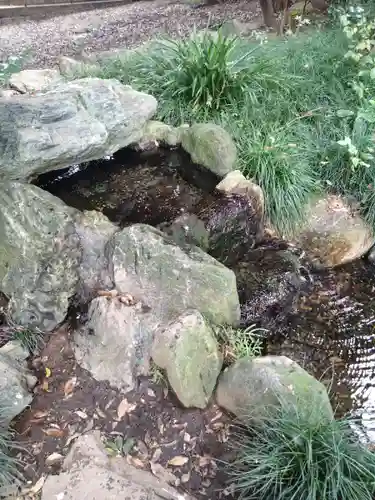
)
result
[(126, 26)]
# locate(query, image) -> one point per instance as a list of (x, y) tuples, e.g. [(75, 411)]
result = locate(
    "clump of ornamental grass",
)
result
[(238, 343), (278, 158), (10, 466), (293, 453), (31, 339), (206, 70)]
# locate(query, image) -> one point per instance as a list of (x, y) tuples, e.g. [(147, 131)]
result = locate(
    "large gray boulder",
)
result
[(170, 278), (48, 253), (211, 146), (252, 386), (72, 122), (188, 351), (39, 255), (115, 343), (89, 474)]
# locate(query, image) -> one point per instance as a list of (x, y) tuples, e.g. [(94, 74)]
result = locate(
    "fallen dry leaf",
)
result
[(160, 472), (142, 449), (124, 407), (101, 413), (185, 478), (81, 414), (54, 458), (69, 386), (178, 461), (72, 438), (171, 443), (44, 386), (52, 432), (135, 462), (217, 416), (107, 293), (127, 299), (204, 461), (37, 486), (156, 455), (38, 416), (218, 425), (187, 437)]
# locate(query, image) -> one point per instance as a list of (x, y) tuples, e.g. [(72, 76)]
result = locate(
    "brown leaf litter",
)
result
[(147, 426)]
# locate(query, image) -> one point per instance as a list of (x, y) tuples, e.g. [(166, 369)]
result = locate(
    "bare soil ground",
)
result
[(44, 40), (148, 426)]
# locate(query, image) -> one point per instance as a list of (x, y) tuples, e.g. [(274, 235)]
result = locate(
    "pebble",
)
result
[(43, 41), (31, 382)]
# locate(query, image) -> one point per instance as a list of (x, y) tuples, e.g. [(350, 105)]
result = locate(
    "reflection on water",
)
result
[(333, 336), (128, 187)]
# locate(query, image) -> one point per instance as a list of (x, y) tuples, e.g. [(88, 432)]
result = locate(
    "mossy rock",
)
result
[(210, 146)]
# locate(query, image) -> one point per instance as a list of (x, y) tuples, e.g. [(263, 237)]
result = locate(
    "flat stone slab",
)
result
[(89, 474)]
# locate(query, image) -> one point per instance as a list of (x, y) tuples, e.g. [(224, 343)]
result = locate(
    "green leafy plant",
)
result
[(293, 453), (12, 65), (206, 70), (158, 376), (30, 338), (299, 109), (119, 446), (237, 343)]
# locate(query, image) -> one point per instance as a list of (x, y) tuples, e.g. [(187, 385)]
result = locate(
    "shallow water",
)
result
[(130, 187), (332, 331), (332, 334)]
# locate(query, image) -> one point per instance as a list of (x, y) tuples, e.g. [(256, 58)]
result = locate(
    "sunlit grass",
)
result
[(295, 454)]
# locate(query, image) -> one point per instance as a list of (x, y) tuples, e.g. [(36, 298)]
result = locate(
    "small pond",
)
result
[(331, 332)]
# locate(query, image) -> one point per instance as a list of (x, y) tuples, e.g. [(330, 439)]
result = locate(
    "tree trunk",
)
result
[(268, 13)]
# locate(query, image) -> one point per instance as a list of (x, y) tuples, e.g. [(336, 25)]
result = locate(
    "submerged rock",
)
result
[(115, 343), (187, 229), (89, 473), (72, 122), (234, 224), (210, 146), (251, 386), (34, 80), (188, 351), (269, 280), (171, 278), (334, 233)]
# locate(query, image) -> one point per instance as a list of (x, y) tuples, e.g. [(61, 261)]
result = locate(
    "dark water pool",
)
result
[(331, 333), (130, 187)]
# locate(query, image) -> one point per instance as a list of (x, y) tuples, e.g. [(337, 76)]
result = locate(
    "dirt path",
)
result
[(147, 425), (125, 26)]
